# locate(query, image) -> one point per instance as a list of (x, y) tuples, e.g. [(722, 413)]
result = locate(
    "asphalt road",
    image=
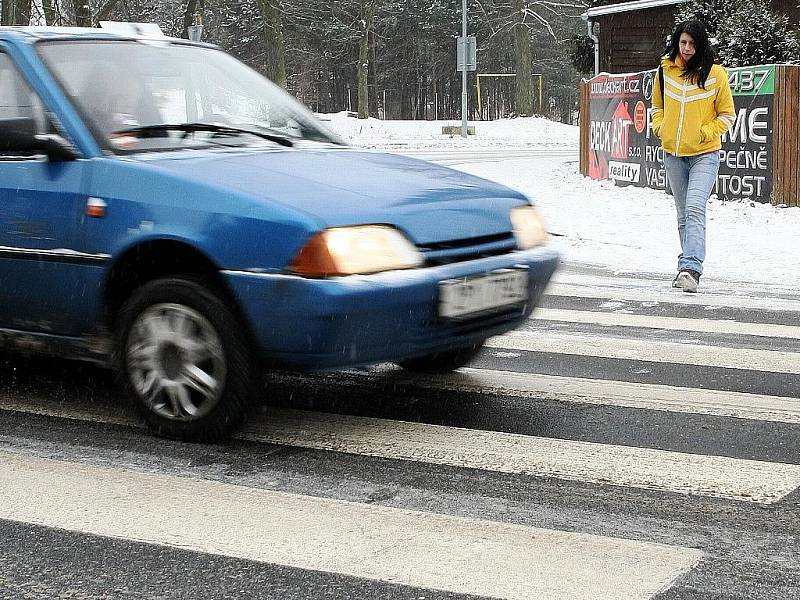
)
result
[(630, 441)]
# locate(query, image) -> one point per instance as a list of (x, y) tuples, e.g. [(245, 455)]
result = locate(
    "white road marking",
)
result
[(616, 319), (536, 386), (688, 353), (665, 294), (656, 283), (677, 472), (574, 390), (617, 393), (427, 550), (695, 474)]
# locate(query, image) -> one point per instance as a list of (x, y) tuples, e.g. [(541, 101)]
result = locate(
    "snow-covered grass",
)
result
[(421, 135), (626, 229)]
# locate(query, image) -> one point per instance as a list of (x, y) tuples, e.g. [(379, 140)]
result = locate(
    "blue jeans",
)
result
[(692, 179)]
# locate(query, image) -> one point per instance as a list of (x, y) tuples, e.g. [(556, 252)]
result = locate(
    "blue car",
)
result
[(167, 211)]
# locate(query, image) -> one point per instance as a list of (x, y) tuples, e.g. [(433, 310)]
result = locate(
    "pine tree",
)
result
[(745, 32), (757, 36), (708, 12)]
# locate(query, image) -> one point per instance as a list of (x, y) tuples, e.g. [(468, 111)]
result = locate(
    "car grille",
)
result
[(452, 251)]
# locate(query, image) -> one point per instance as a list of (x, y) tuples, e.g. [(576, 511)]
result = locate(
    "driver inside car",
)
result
[(120, 104)]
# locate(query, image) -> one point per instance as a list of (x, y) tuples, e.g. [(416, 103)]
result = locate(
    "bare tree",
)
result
[(522, 60), (51, 16), (366, 23), (523, 18), (389, 58), (83, 13), (272, 14), (16, 12), (7, 12), (105, 9)]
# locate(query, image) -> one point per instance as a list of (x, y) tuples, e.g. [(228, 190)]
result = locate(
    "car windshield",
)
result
[(162, 95)]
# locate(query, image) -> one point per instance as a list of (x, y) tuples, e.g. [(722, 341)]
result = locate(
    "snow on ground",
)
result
[(626, 229), (423, 135)]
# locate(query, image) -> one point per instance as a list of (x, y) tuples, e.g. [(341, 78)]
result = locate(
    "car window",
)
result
[(128, 84), (17, 100)]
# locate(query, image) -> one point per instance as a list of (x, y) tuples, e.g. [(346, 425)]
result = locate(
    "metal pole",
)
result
[(464, 72), (478, 87), (541, 109), (596, 42)]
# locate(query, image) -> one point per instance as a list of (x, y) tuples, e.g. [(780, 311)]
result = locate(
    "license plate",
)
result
[(459, 298)]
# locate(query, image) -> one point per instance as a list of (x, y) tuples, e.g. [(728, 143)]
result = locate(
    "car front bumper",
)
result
[(361, 319)]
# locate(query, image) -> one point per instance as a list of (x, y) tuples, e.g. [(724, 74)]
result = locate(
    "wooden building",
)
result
[(631, 36)]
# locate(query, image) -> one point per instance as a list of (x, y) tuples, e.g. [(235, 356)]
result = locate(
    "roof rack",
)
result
[(143, 30)]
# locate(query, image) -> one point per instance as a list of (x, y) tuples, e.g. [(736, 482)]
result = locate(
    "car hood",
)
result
[(342, 187)]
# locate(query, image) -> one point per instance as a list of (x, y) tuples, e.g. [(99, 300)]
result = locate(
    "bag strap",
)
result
[(661, 79)]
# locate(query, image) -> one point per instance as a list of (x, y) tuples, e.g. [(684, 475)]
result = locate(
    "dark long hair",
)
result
[(700, 64)]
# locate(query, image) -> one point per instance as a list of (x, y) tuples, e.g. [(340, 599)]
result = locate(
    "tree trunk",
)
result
[(188, 17), (104, 12), (522, 60), (373, 67), (23, 12), (366, 22), (16, 12), (50, 14), (83, 13), (272, 14)]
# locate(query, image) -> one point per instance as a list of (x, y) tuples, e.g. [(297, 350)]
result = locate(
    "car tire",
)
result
[(442, 362), (185, 360)]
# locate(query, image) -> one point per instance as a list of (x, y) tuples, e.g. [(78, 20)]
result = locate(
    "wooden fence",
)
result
[(786, 137), (783, 171), (584, 128)]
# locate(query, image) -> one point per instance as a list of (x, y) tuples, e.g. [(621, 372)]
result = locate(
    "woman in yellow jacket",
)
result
[(689, 117)]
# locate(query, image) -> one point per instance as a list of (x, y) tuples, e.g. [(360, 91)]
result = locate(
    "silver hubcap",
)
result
[(176, 362)]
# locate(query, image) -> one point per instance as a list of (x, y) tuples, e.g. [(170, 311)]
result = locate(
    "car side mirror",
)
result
[(19, 135)]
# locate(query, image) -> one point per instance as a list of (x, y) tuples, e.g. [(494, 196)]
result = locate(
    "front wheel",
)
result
[(443, 362), (185, 360)]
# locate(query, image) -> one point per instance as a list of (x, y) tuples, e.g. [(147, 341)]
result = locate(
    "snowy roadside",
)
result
[(628, 230), (425, 135)]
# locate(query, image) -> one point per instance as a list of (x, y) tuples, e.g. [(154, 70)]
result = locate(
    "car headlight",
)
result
[(355, 250), (529, 227)]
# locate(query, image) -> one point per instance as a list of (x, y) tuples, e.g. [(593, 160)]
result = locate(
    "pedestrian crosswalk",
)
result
[(725, 433), (631, 290), (736, 479), (670, 323), (651, 350), (621, 393), (456, 554)]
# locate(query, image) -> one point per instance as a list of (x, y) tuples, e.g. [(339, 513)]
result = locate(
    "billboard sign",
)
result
[(623, 148)]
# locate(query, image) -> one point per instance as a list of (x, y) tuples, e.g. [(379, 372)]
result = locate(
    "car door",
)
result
[(42, 274)]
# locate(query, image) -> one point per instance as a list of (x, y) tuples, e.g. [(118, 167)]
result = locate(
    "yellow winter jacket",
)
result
[(688, 119)]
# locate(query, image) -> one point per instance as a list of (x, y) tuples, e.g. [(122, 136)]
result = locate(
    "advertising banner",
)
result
[(623, 148)]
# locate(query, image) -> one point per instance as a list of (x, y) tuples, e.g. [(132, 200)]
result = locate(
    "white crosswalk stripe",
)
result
[(455, 554), (449, 553), (617, 319), (616, 393), (721, 477), (689, 352), (708, 301)]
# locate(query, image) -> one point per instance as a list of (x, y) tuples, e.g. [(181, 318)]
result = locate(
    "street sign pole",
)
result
[(464, 71)]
